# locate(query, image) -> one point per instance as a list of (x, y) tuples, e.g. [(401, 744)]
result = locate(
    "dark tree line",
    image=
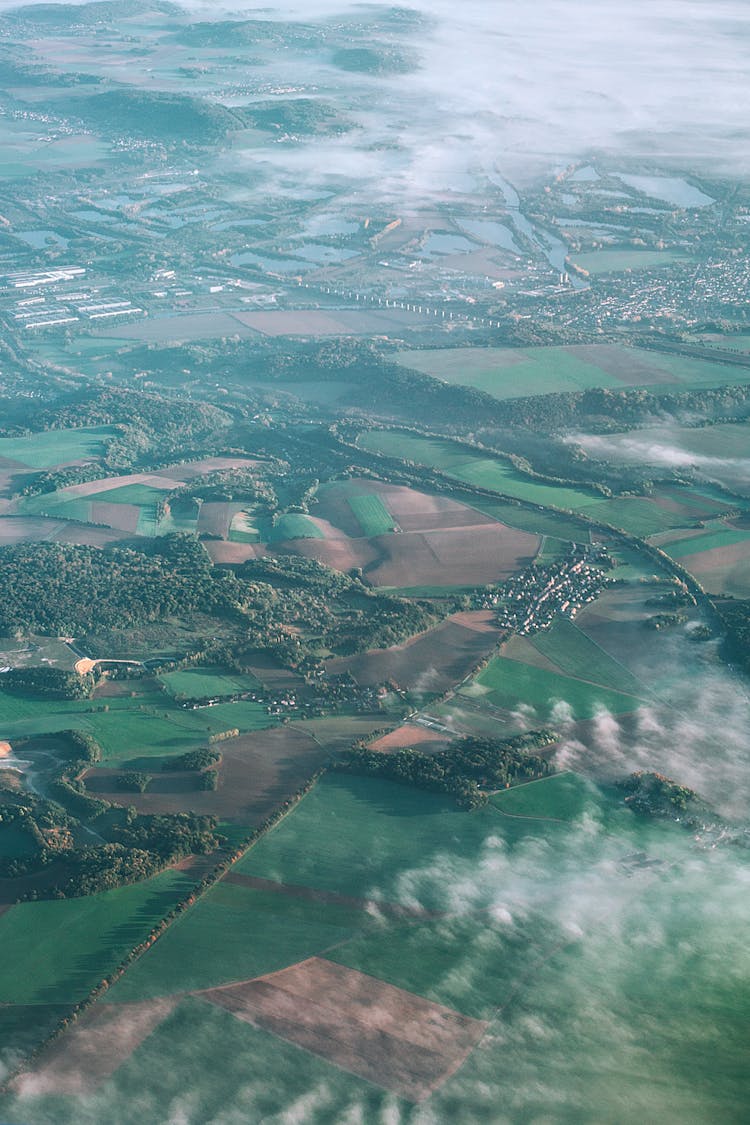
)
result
[(467, 769)]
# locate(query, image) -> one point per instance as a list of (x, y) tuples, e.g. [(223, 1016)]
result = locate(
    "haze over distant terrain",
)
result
[(374, 562)]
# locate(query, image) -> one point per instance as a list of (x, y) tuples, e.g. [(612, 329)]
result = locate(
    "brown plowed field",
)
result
[(94, 1048), (629, 368), (472, 555), (410, 734), (33, 529), (722, 570), (431, 662), (411, 510), (393, 1038), (124, 517), (215, 517), (256, 773), (233, 553), (339, 554), (109, 484), (88, 536)]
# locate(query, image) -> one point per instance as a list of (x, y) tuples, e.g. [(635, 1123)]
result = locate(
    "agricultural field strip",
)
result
[(554, 647), (509, 682), (698, 544), (372, 515)]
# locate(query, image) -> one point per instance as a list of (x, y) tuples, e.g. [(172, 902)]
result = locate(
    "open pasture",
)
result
[(408, 508), (575, 654), (617, 260), (52, 448), (430, 663), (714, 538), (292, 526), (77, 941), (159, 727), (130, 503), (440, 543), (563, 796), (518, 372), (232, 934), (616, 622), (202, 682), (508, 684)]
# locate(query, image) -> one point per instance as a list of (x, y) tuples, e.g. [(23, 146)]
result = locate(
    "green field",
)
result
[(709, 542), (636, 515), (371, 514), (354, 835), (232, 934), (576, 655), (507, 683), (169, 730), (525, 519), (615, 261), (508, 373), (552, 550), (56, 447), (464, 964), (563, 796), (150, 725), (199, 683), (473, 468), (293, 525), (544, 924), (67, 505), (55, 952)]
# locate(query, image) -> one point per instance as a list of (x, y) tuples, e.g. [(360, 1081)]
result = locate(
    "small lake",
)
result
[(41, 239), (672, 189), (329, 226), (315, 252), (446, 243), (272, 265), (494, 234)]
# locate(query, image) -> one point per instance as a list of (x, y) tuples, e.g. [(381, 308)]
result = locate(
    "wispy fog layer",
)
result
[(526, 87), (670, 448), (523, 87)]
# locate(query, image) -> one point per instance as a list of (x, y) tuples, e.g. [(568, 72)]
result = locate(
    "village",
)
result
[(531, 601)]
